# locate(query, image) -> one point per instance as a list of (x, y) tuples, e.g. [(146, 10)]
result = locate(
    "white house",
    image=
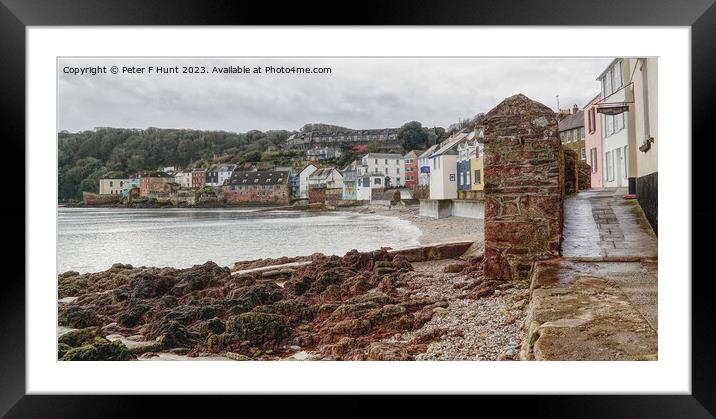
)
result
[(329, 177), (225, 172), (614, 127), (389, 168), (366, 183), (443, 167), (424, 166), (183, 178), (303, 180)]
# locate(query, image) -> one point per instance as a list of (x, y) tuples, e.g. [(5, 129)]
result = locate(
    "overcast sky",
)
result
[(359, 93)]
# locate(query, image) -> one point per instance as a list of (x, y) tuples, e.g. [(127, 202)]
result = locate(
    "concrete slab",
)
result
[(591, 311)]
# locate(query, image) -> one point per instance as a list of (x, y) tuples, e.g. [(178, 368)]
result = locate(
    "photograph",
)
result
[(221, 208)]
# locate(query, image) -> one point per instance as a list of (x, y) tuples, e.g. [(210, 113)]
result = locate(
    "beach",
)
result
[(452, 229)]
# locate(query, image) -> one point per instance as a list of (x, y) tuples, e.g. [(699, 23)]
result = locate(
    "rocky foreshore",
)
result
[(333, 307), (362, 306)]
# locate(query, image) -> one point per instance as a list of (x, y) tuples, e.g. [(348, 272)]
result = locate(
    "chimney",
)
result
[(575, 109)]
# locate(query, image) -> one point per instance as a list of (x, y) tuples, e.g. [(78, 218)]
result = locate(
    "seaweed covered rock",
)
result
[(133, 316), (100, 349), (146, 284), (74, 338), (79, 318), (173, 335), (333, 305), (258, 327)]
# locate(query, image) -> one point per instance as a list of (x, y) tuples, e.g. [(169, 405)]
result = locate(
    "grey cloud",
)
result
[(359, 93)]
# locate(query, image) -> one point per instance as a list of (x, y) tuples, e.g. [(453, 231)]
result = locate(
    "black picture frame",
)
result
[(16, 15)]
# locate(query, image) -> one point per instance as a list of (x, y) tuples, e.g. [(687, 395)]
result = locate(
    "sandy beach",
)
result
[(450, 229)]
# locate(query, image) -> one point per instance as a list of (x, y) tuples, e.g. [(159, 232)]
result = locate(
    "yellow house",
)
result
[(470, 167), (476, 167)]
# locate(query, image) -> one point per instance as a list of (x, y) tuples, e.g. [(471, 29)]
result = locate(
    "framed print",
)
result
[(393, 207)]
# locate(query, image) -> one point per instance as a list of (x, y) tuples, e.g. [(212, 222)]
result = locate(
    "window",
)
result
[(452, 177), (583, 154), (477, 177), (386, 170), (581, 133), (467, 178), (618, 122), (397, 162), (110, 184), (561, 134), (569, 136), (609, 124), (376, 181), (386, 161), (617, 79), (593, 159), (376, 161), (397, 170)]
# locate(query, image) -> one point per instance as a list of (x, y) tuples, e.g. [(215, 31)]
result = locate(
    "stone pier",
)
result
[(524, 189)]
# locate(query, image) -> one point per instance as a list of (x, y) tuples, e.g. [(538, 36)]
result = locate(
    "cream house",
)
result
[(183, 179), (443, 167), (112, 186), (646, 134)]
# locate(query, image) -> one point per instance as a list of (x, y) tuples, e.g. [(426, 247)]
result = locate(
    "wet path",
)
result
[(601, 224), (599, 301)]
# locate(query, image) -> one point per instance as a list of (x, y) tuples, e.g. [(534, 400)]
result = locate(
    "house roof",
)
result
[(428, 152), (448, 146), (571, 121), (258, 178), (594, 100), (321, 174), (384, 156), (607, 68), (411, 155), (155, 174), (307, 166)]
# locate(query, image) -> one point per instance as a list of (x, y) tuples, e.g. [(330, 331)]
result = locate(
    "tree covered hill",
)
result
[(84, 157)]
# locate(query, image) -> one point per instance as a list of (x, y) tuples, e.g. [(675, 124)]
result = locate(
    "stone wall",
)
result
[(316, 195), (570, 171), (524, 188), (584, 175), (577, 172)]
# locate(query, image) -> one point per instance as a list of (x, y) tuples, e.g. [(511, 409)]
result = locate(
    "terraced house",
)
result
[(269, 187), (571, 132), (411, 169), (112, 185)]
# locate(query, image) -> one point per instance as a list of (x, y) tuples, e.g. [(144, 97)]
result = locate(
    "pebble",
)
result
[(485, 329)]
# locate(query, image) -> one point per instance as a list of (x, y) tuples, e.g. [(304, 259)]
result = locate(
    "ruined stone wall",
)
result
[(577, 173), (570, 171), (584, 175), (524, 188)]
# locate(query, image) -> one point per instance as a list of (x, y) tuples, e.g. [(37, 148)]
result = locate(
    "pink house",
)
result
[(593, 141)]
